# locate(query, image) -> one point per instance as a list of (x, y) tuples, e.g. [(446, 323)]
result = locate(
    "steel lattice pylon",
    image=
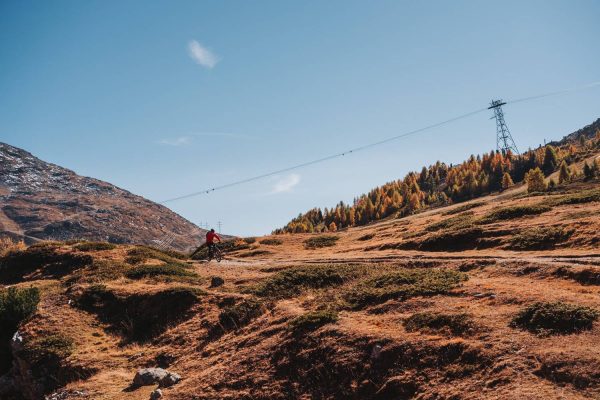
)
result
[(504, 140)]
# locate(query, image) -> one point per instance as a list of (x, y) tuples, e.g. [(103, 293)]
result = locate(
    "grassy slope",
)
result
[(236, 341)]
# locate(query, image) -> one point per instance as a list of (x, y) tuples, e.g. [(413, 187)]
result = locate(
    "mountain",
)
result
[(43, 201)]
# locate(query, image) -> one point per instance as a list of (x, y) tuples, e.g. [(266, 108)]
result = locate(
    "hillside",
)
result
[(493, 298), (441, 184), (42, 201)]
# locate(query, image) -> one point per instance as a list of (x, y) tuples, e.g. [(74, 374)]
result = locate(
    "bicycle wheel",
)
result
[(218, 256)]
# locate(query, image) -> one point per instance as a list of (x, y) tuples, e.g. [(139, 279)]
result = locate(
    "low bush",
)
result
[(321, 241), (586, 276), (366, 237), (451, 240), (100, 271), (271, 242), (539, 238), (51, 348), (240, 314), (586, 196), (464, 207), (141, 316), (94, 246), (457, 324), (16, 305), (50, 262), (291, 281), (140, 254), (461, 221), (513, 212), (249, 240), (162, 270), (402, 284), (312, 320), (555, 318)]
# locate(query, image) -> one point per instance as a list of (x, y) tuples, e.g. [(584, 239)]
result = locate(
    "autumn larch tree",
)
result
[(564, 174), (535, 180), (506, 181)]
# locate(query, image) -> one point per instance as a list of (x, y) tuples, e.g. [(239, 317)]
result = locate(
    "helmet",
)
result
[(212, 230)]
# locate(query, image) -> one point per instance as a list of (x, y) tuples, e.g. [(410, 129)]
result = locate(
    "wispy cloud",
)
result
[(201, 55), (189, 138), (178, 141), (286, 184)]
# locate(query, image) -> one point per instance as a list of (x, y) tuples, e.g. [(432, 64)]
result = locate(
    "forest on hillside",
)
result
[(441, 184)]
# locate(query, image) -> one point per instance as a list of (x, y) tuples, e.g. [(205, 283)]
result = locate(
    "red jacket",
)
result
[(211, 236)]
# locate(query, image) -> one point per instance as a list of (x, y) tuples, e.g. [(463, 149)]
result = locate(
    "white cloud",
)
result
[(179, 141), (286, 183), (201, 55)]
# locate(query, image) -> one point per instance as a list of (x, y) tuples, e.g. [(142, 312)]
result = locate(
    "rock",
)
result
[(149, 376), (170, 380), (156, 394), (376, 352), (216, 281)]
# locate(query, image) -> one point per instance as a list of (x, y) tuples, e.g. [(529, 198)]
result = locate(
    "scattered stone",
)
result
[(149, 376), (156, 394), (171, 379), (216, 281)]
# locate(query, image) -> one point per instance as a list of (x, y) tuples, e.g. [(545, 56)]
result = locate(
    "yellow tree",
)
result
[(506, 181), (535, 180)]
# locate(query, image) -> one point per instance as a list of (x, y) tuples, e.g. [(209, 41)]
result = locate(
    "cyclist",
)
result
[(210, 242)]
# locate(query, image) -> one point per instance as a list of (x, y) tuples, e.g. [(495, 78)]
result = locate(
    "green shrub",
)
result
[(366, 237), (312, 320), (451, 240), (402, 284), (539, 238), (240, 314), (461, 221), (464, 207), (457, 324), (249, 240), (99, 271), (16, 305), (586, 196), (50, 262), (141, 316), (49, 348), (94, 246), (139, 254), (321, 241), (586, 276), (555, 318), (163, 270), (291, 281), (514, 212), (271, 242)]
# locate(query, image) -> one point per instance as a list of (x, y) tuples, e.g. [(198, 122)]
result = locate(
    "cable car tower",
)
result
[(504, 140)]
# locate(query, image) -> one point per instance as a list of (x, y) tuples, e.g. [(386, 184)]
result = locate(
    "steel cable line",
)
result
[(323, 159), (378, 143)]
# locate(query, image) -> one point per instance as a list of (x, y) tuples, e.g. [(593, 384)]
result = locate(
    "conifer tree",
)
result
[(507, 181), (332, 227), (588, 172), (550, 160), (564, 175), (535, 180)]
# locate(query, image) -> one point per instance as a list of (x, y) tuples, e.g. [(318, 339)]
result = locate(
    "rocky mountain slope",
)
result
[(42, 201)]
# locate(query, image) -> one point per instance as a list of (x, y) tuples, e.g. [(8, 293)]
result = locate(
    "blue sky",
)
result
[(166, 98)]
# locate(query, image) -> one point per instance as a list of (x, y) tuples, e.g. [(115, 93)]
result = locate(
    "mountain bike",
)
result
[(215, 253)]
